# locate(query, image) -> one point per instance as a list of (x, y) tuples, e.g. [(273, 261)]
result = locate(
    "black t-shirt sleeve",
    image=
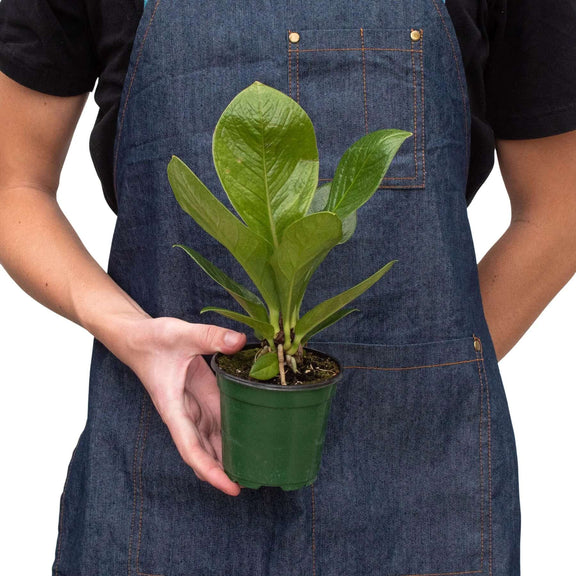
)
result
[(531, 71), (46, 45)]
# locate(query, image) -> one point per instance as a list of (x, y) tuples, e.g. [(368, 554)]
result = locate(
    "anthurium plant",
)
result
[(265, 154)]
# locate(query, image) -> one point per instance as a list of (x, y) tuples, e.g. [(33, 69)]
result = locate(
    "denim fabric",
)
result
[(419, 471)]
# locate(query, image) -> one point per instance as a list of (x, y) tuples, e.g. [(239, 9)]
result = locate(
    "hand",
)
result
[(165, 353)]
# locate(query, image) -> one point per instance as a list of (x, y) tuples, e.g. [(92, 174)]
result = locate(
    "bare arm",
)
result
[(536, 256), (38, 246), (41, 251)]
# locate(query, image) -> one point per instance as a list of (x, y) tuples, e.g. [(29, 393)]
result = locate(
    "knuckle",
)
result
[(211, 336)]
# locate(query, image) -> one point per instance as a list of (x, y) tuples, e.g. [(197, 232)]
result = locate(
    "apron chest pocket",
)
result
[(355, 81)]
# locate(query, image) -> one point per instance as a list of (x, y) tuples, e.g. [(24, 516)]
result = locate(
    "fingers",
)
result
[(209, 339), (198, 455)]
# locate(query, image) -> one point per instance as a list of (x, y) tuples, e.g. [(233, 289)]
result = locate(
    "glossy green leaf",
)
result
[(320, 313), (248, 300), (265, 367), (319, 205), (304, 246), (361, 170), (262, 329), (251, 251), (266, 157), (328, 322)]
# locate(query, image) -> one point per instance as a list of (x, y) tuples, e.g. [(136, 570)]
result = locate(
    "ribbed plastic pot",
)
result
[(273, 435)]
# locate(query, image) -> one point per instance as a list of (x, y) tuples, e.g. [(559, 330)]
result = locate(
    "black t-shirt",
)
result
[(519, 56)]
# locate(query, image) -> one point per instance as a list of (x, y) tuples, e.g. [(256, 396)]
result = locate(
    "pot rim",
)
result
[(278, 387)]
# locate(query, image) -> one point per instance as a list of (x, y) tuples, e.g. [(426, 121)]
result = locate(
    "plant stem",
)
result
[(280, 350), (300, 354)]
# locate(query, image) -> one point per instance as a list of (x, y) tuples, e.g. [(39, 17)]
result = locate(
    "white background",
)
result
[(44, 362)]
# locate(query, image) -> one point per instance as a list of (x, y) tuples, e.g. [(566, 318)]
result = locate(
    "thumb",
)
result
[(209, 339)]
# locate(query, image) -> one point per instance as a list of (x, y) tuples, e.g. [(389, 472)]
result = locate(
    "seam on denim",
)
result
[(394, 369), (446, 573), (289, 67), (479, 359), (481, 466), (415, 123), (490, 531), (129, 93), (407, 187), (415, 119), (298, 75), (364, 80), (313, 532), (358, 49), (134, 484), (460, 82), (387, 187), (387, 178), (61, 519), (423, 104), (140, 485)]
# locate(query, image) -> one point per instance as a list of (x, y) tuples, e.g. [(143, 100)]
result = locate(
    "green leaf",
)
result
[(266, 157), (262, 329), (320, 198), (304, 246), (328, 322), (248, 300), (265, 367), (320, 313), (319, 204), (251, 251), (361, 170)]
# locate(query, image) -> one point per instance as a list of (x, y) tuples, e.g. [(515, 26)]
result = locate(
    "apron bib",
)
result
[(418, 475)]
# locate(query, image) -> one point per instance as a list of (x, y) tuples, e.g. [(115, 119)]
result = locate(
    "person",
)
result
[(165, 353)]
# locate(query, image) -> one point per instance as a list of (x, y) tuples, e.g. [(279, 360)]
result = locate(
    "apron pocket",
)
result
[(403, 485), (355, 81)]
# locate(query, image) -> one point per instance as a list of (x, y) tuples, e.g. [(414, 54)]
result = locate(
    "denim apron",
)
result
[(418, 475)]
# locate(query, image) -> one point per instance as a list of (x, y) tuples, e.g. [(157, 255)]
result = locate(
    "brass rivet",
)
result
[(415, 35), (294, 37), (477, 345)]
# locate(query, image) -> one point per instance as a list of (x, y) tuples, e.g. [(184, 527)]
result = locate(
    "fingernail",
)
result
[(232, 338)]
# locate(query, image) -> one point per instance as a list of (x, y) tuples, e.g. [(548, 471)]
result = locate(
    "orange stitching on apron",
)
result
[(141, 491), (289, 68), (423, 109), (143, 427), (460, 82), (490, 535), (129, 92), (415, 123), (364, 80), (415, 104), (447, 573), (298, 75), (358, 49), (134, 485), (386, 187), (479, 358), (313, 533), (410, 368)]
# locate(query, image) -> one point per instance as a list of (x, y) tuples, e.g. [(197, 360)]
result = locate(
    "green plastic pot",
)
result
[(273, 435)]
